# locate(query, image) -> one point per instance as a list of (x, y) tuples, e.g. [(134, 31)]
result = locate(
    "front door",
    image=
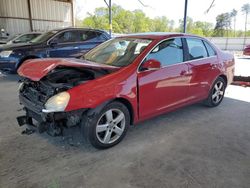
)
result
[(166, 88), (66, 44)]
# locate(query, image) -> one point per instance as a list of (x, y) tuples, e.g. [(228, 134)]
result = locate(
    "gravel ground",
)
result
[(193, 147)]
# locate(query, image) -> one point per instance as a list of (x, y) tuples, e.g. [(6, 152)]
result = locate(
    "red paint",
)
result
[(150, 92), (246, 50), (38, 68), (151, 64)]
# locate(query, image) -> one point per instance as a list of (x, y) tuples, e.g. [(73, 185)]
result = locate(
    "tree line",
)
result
[(125, 21)]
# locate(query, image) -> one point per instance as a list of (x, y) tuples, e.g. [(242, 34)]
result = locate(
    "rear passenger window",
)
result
[(91, 36), (210, 50), (196, 49), (168, 52), (87, 35), (101, 36), (67, 36)]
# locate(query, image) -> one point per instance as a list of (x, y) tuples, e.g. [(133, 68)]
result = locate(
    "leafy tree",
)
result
[(159, 24), (205, 27), (197, 28), (140, 21), (246, 9), (189, 26), (233, 14), (223, 24), (171, 25), (125, 21)]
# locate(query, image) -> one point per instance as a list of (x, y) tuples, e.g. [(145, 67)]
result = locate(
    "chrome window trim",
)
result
[(70, 30), (208, 42), (58, 33), (188, 61), (61, 33)]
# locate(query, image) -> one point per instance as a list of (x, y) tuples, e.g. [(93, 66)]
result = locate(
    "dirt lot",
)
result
[(192, 147)]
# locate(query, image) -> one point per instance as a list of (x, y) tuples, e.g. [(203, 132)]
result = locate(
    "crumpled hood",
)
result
[(36, 69)]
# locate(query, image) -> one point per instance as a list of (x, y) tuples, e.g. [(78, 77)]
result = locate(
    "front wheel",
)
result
[(217, 92), (108, 127)]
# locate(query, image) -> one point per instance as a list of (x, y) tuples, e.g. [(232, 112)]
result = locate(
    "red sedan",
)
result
[(121, 82), (246, 50)]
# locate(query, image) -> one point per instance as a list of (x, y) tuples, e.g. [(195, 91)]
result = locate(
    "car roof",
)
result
[(155, 35), (77, 28), (33, 32)]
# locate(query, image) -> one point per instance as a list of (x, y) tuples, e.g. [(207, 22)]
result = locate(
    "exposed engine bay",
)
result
[(33, 96), (58, 80)]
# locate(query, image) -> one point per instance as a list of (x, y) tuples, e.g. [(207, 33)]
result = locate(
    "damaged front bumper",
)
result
[(51, 122)]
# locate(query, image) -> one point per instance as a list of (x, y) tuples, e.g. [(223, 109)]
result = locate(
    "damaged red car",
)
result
[(121, 82)]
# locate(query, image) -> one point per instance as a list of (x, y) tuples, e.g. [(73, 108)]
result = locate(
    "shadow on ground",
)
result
[(6, 77)]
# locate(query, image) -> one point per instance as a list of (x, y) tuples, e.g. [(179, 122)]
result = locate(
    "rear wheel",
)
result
[(107, 128), (217, 92)]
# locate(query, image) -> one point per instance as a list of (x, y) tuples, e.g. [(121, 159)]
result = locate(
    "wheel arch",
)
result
[(129, 107), (124, 101), (224, 77), (26, 58)]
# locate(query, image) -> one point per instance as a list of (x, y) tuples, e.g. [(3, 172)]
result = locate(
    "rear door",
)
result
[(89, 40), (203, 62), (163, 89)]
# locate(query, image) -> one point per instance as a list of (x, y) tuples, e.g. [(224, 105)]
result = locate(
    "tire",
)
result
[(107, 127), (216, 93)]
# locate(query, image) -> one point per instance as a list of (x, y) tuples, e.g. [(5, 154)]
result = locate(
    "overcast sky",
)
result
[(172, 9)]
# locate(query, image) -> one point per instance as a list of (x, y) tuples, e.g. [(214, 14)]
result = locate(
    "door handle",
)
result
[(213, 66), (185, 73)]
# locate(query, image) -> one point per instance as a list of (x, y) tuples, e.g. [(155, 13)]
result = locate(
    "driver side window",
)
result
[(168, 52), (67, 36)]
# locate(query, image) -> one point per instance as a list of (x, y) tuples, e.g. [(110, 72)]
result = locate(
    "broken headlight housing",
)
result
[(57, 103)]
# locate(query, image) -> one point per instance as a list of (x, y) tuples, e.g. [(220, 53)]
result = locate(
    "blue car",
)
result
[(63, 43), (20, 38)]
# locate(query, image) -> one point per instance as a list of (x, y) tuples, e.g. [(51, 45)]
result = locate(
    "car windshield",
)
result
[(13, 37), (43, 37), (118, 52)]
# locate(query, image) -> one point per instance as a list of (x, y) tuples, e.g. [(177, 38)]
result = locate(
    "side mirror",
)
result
[(150, 64), (53, 43), (16, 41)]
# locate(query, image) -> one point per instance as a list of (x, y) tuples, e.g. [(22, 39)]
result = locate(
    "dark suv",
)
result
[(69, 42)]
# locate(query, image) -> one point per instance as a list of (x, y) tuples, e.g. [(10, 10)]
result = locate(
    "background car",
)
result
[(121, 82), (246, 50), (69, 42), (21, 38), (3, 36)]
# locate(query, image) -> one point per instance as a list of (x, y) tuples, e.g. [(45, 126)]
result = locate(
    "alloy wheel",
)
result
[(110, 126), (218, 92)]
